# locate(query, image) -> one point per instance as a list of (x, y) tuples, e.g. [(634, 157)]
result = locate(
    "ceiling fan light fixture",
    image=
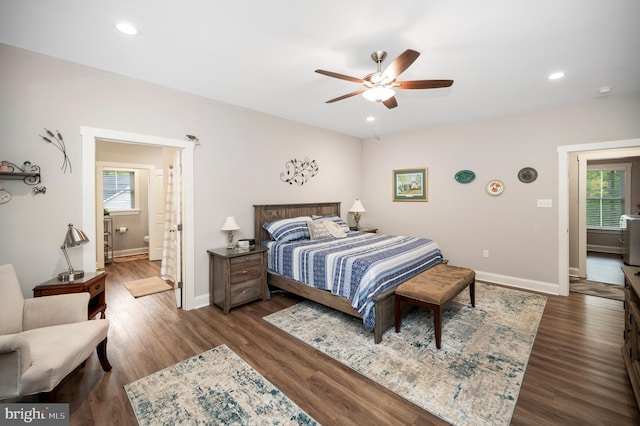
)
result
[(378, 94)]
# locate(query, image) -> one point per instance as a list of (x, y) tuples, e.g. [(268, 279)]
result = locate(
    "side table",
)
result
[(237, 276), (92, 282)]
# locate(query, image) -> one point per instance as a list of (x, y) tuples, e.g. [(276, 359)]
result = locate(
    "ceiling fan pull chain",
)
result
[(377, 136)]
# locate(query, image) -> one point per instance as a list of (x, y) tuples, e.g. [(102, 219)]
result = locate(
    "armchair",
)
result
[(44, 339)]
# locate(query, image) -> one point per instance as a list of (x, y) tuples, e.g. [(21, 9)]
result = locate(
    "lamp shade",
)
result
[(357, 207), (230, 224), (75, 237)]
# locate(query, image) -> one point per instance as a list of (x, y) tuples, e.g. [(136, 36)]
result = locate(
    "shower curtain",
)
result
[(170, 251)]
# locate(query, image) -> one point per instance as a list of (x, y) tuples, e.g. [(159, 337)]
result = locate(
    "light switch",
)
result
[(545, 203)]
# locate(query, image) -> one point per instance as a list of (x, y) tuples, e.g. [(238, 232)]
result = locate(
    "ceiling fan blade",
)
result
[(391, 102), (400, 64), (340, 76), (423, 84), (348, 95)]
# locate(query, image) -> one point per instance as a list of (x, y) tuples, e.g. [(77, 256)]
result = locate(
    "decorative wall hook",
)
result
[(299, 171), (39, 190)]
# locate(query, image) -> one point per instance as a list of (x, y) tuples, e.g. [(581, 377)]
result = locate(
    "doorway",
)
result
[(89, 138), (572, 235)]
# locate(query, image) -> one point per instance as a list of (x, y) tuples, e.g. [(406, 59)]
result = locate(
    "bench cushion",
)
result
[(438, 284)]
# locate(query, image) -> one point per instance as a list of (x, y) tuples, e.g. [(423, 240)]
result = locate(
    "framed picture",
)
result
[(410, 185)]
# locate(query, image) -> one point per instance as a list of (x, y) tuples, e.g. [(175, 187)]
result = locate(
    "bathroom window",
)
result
[(119, 189)]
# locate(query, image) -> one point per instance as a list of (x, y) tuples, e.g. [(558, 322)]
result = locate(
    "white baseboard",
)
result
[(524, 284), (201, 301), (605, 249), (130, 252)]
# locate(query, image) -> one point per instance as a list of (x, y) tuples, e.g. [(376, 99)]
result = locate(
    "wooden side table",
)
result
[(92, 282), (237, 277)]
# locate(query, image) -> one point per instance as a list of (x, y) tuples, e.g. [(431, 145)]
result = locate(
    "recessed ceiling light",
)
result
[(556, 75), (127, 28), (605, 90), (371, 118)]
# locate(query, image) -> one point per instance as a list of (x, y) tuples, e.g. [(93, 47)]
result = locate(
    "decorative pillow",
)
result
[(335, 219), (318, 231), (287, 230), (333, 228)]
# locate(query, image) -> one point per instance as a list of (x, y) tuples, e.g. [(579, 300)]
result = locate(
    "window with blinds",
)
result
[(118, 187), (606, 195)]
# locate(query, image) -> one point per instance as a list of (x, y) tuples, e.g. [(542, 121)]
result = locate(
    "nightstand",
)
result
[(92, 282), (237, 277)]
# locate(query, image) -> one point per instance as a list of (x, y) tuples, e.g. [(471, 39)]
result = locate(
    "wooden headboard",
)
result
[(270, 212)]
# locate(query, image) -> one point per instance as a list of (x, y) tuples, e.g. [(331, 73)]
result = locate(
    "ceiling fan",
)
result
[(380, 86)]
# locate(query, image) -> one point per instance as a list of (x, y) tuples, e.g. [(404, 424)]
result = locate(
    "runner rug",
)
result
[(214, 388), (147, 286), (474, 379)]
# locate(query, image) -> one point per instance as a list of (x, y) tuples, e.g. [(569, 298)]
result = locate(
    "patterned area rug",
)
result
[(215, 387), (474, 379), (593, 288)]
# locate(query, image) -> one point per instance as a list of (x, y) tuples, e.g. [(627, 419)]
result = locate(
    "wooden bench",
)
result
[(433, 289)]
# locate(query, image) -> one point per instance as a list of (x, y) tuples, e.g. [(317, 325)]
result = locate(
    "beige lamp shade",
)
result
[(357, 207), (230, 224)]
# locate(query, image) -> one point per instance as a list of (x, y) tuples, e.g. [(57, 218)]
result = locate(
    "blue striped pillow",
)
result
[(287, 230)]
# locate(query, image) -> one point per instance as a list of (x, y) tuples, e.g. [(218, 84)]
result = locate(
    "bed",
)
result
[(379, 314)]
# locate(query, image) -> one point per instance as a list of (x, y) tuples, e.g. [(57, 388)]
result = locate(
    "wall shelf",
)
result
[(30, 176)]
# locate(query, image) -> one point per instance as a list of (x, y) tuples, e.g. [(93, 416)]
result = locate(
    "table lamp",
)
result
[(229, 226), (75, 237), (356, 209)]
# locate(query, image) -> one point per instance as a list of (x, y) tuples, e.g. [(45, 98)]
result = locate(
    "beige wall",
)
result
[(237, 164), (522, 239), (242, 154)]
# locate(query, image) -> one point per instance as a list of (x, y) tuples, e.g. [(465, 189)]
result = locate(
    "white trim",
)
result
[(563, 201), (525, 284), (89, 136)]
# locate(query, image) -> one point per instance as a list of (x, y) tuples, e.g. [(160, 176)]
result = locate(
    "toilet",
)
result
[(146, 239)]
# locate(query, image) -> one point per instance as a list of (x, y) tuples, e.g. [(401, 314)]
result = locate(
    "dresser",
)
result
[(237, 277), (93, 283), (631, 347)]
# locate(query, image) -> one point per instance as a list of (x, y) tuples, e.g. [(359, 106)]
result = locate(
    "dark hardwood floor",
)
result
[(575, 373)]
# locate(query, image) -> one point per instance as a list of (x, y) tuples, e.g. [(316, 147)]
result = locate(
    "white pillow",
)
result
[(317, 230), (333, 228)]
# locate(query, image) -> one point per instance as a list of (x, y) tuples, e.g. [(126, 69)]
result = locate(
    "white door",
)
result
[(156, 214)]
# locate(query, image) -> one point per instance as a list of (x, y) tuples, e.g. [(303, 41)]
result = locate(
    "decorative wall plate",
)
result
[(465, 176), (495, 187), (527, 175)]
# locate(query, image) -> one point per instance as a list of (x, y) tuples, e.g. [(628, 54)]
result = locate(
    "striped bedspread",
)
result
[(357, 267)]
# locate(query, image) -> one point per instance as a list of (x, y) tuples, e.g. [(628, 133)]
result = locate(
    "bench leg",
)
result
[(437, 324), (472, 292)]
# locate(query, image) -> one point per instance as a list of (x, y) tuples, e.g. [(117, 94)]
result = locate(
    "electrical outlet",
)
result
[(485, 253), (545, 203)]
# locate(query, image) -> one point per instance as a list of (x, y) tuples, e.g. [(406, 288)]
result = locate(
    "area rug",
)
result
[(147, 286), (593, 288), (474, 379), (214, 388)]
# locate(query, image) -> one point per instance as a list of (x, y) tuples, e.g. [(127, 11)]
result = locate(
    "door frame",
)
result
[(89, 136), (563, 203)]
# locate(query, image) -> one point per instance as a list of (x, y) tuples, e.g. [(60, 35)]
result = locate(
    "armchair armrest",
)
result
[(15, 358), (55, 310)]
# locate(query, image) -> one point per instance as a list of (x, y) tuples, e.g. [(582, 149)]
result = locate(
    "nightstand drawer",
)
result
[(245, 292), (242, 273), (96, 288), (249, 259)]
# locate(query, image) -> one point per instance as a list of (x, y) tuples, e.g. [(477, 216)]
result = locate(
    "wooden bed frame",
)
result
[(384, 302)]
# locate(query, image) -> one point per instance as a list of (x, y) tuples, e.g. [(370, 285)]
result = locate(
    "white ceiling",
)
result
[(262, 54)]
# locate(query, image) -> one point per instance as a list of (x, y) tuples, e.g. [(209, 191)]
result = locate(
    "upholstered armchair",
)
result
[(44, 339)]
